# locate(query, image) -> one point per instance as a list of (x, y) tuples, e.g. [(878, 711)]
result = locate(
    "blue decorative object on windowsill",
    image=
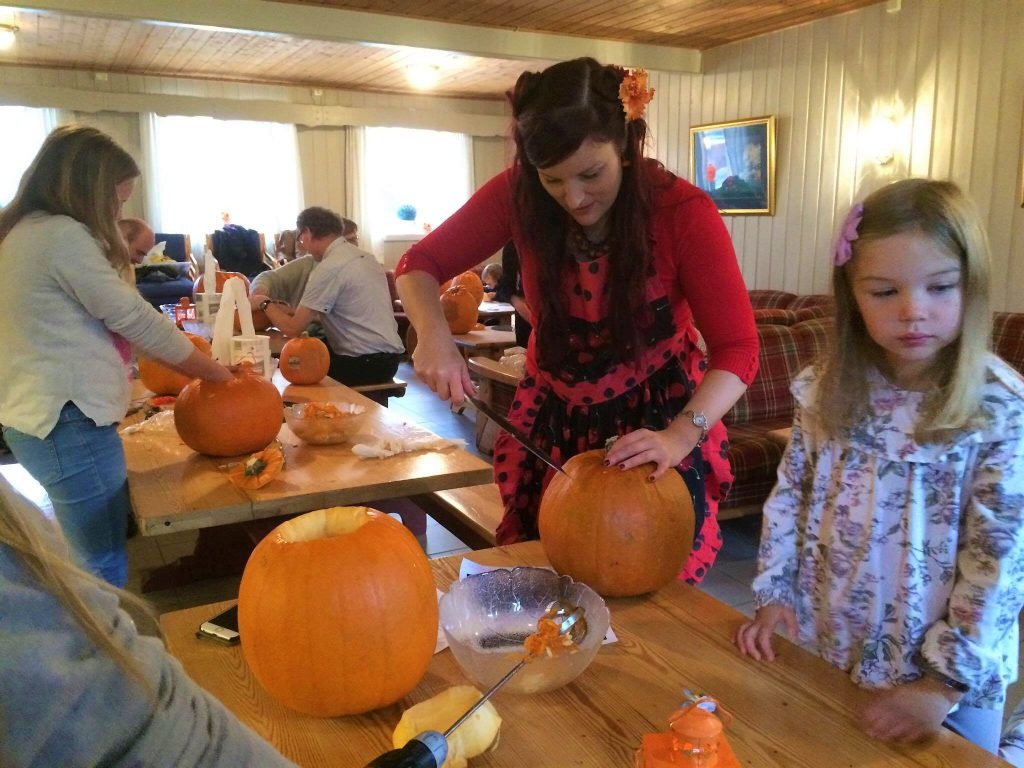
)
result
[(406, 212)]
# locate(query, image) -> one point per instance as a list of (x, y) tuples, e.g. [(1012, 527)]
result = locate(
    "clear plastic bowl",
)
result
[(319, 424), (487, 617)]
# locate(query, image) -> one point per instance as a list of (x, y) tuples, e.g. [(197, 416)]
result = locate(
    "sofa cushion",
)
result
[(754, 459), (1008, 338), (821, 300), (783, 352), (774, 316), (770, 299)]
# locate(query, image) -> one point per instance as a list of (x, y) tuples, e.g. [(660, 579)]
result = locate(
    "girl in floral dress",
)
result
[(893, 543), (620, 262)]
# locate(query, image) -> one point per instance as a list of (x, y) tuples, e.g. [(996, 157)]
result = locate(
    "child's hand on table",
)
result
[(908, 712), (754, 638)]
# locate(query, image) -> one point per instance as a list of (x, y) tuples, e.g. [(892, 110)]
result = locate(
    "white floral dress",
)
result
[(888, 548)]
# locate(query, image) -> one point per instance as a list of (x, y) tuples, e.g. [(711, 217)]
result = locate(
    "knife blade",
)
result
[(516, 434)]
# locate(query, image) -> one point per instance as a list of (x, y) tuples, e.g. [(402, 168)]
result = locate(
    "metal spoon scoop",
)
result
[(430, 748)]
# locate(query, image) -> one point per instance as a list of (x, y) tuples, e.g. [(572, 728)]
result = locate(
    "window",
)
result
[(414, 179), (202, 169), (23, 132)]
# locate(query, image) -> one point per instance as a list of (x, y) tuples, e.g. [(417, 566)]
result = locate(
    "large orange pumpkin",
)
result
[(161, 380), (229, 418), (222, 277), (337, 612), (460, 309), (305, 360), (612, 529)]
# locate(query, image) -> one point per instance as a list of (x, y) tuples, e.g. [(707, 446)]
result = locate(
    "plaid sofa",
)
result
[(792, 331), (785, 350)]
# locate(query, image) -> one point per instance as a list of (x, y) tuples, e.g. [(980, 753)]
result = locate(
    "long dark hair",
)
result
[(555, 111), (75, 174)]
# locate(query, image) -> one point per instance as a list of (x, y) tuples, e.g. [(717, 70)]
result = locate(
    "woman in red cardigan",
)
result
[(619, 259)]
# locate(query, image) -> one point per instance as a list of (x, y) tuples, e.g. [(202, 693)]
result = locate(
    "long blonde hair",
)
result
[(44, 554), (76, 173), (938, 210)]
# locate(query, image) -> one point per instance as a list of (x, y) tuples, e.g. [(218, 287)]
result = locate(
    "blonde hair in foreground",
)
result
[(76, 173), (941, 212), (43, 553)]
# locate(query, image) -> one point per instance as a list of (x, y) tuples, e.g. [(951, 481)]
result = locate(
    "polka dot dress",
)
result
[(598, 395)]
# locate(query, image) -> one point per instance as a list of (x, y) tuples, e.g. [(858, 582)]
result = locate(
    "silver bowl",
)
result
[(487, 617)]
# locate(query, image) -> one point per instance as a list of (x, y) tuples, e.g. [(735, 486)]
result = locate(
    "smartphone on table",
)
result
[(223, 627)]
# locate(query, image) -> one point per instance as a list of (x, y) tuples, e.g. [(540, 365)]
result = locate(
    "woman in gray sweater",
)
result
[(79, 686), (69, 314)]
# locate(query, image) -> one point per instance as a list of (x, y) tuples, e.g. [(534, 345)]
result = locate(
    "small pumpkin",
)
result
[(338, 612), (305, 360), (222, 277), (460, 309), (612, 529), (260, 321), (163, 380), (229, 418), (259, 469)]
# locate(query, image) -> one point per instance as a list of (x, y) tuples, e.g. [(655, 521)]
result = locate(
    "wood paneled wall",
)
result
[(950, 74)]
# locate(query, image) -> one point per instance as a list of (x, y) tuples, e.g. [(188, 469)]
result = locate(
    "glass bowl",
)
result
[(487, 617), (324, 423)]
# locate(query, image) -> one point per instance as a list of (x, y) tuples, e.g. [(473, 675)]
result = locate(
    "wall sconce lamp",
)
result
[(882, 140), (7, 33)]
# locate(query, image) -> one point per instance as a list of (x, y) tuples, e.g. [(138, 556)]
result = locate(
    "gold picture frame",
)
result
[(734, 163)]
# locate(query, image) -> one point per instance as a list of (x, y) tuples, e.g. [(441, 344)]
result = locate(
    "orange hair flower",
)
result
[(634, 93)]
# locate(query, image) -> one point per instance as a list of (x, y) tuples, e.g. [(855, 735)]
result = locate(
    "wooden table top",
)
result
[(174, 488), (798, 712), (488, 338)]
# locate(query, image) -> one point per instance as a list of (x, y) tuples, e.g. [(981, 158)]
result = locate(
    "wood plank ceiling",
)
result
[(60, 40)]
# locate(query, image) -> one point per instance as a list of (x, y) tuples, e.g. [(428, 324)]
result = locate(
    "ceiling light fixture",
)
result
[(7, 33), (423, 76)]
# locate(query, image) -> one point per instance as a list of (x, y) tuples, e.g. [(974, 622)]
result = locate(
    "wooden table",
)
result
[(488, 342), (798, 712), (173, 488)]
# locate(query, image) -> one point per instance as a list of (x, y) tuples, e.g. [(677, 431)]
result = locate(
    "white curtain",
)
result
[(22, 132), (204, 171), (355, 189)]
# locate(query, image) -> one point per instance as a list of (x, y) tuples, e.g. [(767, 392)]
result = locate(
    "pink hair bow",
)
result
[(844, 243)]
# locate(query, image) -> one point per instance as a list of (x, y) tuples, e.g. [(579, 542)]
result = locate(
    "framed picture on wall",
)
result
[(735, 164)]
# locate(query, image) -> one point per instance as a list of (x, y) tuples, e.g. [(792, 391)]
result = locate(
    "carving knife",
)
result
[(516, 434)]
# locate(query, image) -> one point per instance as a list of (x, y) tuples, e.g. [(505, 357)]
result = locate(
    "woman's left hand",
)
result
[(908, 712), (646, 446)]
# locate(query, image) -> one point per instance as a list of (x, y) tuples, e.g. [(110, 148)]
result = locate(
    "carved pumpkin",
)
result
[(460, 309), (161, 380), (305, 360), (612, 529), (229, 418), (337, 611), (222, 277)]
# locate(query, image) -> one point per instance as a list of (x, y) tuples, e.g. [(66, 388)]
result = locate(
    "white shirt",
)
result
[(61, 302), (350, 291)]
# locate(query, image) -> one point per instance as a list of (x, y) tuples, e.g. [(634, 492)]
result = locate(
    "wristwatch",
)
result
[(264, 304), (699, 420)]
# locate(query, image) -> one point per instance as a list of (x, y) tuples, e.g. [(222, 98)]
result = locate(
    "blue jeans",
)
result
[(82, 468)]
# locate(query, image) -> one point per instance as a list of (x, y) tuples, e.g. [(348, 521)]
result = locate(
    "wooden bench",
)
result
[(471, 513), (380, 393)]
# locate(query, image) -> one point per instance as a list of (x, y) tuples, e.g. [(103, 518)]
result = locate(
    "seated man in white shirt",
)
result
[(347, 293)]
